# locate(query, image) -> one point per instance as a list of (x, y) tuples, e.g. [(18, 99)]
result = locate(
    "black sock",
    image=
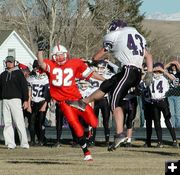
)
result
[(82, 143)]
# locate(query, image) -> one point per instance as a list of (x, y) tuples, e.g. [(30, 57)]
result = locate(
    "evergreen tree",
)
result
[(128, 10)]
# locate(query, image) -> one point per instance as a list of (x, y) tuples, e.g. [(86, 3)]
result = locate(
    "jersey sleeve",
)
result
[(48, 65), (83, 70), (108, 41)]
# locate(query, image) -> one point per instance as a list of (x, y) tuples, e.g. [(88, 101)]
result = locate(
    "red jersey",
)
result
[(62, 78)]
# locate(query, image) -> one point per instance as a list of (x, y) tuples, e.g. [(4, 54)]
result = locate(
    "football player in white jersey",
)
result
[(86, 90), (129, 47), (158, 89), (103, 103), (39, 85)]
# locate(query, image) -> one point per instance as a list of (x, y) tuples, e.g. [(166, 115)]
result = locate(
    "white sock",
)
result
[(129, 140)]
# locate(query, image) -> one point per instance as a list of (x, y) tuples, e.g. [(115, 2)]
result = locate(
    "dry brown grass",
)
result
[(66, 160), (167, 34)]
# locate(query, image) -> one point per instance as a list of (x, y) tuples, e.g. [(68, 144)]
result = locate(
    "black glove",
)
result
[(148, 78), (94, 63), (42, 44)]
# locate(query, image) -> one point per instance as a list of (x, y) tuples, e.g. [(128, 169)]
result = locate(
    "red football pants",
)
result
[(72, 115)]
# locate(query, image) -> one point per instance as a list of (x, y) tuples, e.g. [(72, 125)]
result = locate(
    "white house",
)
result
[(12, 44)]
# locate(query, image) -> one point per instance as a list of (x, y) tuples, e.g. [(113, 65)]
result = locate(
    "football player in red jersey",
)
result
[(62, 72)]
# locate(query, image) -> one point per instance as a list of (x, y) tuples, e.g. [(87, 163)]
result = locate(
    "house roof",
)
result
[(4, 34)]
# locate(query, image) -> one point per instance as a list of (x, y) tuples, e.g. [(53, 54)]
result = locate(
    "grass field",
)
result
[(67, 160)]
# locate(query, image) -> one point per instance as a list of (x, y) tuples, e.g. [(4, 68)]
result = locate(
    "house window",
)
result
[(12, 52)]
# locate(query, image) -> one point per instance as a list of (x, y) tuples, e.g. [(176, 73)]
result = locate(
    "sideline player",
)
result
[(158, 90), (103, 103), (39, 86), (62, 73), (129, 106), (86, 90), (129, 47)]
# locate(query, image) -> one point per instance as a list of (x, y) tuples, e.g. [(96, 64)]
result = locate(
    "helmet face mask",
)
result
[(60, 54), (115, 25), (60, 58)]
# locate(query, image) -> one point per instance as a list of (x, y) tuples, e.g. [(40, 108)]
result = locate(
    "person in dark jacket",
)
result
[(14, 95)]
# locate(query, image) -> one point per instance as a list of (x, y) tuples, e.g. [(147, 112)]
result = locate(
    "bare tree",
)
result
[(18, 15), (77, 24)]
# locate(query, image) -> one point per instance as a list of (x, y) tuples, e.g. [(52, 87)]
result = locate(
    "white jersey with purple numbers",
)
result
[(159, 87), (127, 45), (37, 84)]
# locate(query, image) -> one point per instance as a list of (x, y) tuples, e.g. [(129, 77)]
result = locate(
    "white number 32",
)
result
[(63, 77)]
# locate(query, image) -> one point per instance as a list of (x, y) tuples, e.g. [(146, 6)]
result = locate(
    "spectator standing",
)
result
[(158, 89), (174, 93), (139, 97), (145, 95), (26, 112), (14, 94)]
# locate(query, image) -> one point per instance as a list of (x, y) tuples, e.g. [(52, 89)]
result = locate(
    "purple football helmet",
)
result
[(116, 24)]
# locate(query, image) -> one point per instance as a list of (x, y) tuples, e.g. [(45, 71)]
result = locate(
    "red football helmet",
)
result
[(60, 54)]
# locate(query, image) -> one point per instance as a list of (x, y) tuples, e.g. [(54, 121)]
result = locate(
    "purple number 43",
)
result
[(135, 44)]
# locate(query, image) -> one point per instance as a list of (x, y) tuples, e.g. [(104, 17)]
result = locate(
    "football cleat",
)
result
[(79, 104), (175, 144), (118, 139), (159, 145), (88, 158), (57, 145), (147, 145)]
